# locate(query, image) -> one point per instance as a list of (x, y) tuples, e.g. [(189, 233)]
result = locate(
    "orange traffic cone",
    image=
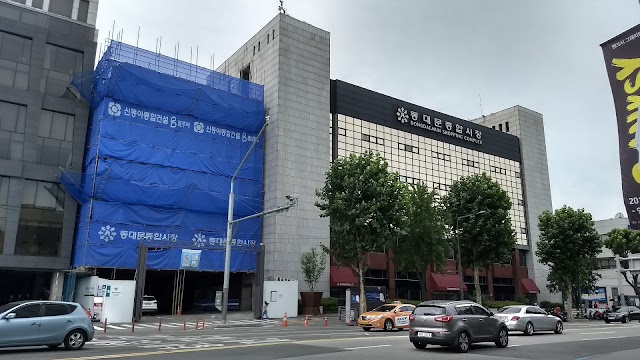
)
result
[(284, 321), (306, 321)]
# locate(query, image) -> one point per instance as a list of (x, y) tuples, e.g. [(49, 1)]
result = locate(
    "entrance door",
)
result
[(178, 292)]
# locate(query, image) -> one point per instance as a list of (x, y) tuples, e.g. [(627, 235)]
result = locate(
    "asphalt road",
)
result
[(594, 340)]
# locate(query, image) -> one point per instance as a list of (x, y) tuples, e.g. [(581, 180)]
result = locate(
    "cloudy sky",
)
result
[(543, 55)]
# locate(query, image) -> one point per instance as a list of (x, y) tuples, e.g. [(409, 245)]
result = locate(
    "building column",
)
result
[(515, 261), (57, 283), (391, 275)]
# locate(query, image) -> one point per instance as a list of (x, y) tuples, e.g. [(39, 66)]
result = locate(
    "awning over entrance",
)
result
[(446, 282), (529, 286), (342, 276)]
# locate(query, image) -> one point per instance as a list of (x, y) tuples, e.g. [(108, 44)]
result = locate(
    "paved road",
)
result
[(594, 340)]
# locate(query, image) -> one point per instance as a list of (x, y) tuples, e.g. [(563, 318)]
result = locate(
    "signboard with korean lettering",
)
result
[(190, 259), (622, 60)]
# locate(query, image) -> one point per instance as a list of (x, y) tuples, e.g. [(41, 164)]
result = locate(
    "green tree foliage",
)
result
[(623, 242), (313, 264), (424, 242), (569, 244), (365, 204), (478, 209)]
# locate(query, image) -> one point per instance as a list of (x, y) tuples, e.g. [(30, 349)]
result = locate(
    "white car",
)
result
[(529, 319), (149, 305)]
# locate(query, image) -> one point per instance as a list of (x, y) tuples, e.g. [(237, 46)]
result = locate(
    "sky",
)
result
[(443, 55)]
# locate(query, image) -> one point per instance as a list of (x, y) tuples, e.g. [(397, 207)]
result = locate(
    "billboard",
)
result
[(622, 59)]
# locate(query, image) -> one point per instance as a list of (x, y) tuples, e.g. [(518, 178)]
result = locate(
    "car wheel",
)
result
[(528, 330), (625, 319), (53, 346), (366, 328), (388, 325), (503, 338), (559, 328), (74, 340), (419, 345), (463, 342)]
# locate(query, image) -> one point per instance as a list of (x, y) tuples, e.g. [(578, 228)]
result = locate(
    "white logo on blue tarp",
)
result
[(402, 115), (199, 240), (114, 109), (107, 233), (198, 127)]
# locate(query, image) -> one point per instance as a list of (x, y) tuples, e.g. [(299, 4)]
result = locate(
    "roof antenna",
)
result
[(481, 112), (281, 8)]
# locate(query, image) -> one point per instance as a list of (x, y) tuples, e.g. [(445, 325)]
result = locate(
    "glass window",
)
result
[(15, 56), (41, 219), (480, 311), (28, 311), (37, 4), (12, 122), (509, 310), (428, 310), (4, 202), (61, 7), (59, 65), (464, 310), (56, 309), (83, 10), (55, 138)]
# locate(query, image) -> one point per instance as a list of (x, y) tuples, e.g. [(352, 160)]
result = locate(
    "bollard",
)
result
[(197, 323), (184, 327), (202, 324), (105, 325), (306, 321), (133, 326), (326, 321), (160, 325)]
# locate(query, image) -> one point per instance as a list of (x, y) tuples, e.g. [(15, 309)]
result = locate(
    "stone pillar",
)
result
[(57, 283)]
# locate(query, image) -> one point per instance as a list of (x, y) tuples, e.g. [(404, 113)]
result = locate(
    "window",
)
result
[(4, 201), (245, 73), (83, 10), (258, 45), (15, 57), (254, 50), (607, 263), (273, 34), (267, 38), (61, 7), (429, 310), (506, 125), (464, 310), (59, 65), (57, 309), (408, 148), (37, 4), (407, 308), (500, 127), (28, 311), (523, 257), (12, 122), (55, 138), (41, 219), (523, 230), (480, 311)]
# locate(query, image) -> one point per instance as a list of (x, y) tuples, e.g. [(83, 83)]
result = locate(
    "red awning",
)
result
[(529, 286), (446, 282), (342, 276)]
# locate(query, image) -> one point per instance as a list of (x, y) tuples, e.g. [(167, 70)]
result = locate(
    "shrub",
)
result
[(498, 304), (329, 304)]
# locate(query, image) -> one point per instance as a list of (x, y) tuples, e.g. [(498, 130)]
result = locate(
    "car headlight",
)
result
[(377, 317)]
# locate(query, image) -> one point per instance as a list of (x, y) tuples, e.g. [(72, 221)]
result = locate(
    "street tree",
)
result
[(568, 244), (365, 204), (478, 213), (424, 241), (623, 242)]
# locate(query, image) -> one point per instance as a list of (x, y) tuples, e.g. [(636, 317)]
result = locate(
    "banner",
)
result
[(622, 59)]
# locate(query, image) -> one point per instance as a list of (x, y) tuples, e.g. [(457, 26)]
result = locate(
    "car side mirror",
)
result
[(10, 316), (491, 313)]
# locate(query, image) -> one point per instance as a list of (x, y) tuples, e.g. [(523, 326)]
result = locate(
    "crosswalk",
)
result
[(182, 326)]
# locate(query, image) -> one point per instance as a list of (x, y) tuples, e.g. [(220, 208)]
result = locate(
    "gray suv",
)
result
[(455, 323)]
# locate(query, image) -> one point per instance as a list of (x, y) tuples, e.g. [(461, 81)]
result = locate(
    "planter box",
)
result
[(311, 302)]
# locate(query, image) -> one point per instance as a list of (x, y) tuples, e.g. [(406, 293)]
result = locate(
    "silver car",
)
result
[(529, 319), (455, 323), (50, 323)]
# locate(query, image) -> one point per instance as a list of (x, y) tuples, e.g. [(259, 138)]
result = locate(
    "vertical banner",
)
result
[(622, 59)]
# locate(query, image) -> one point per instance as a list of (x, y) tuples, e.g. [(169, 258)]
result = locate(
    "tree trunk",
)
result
[(476, 283), (426, 287), (569, 301), (634, 283), (363, 293)]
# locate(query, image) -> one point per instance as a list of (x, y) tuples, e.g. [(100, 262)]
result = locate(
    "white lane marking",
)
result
[(366, 347), (597, 332), (115, 327), (98, 328), (146, 326), (606, 338), (171, 325)]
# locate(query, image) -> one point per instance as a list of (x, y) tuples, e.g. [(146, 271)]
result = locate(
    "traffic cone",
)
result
[(284, 321), (306, 321), (326, 322)]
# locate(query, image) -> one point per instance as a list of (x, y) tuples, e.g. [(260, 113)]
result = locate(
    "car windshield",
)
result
[(149, 298), (623, 309), (385, 308), (509, 310), (428, 310), (8, 306)]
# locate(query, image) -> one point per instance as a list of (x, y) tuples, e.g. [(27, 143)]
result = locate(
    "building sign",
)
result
[(190, 259), (445, 127), (622, 59), (597, 294)]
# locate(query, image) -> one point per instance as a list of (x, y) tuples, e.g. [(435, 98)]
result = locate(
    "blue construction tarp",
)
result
[(161, 151)]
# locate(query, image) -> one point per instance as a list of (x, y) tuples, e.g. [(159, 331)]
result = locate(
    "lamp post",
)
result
[(460, 275)]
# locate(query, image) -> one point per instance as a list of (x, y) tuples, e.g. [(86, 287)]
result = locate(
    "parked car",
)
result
[(623, 314), (529, 319), (386, 317), (455, 323), (50, 323), (149, 305)]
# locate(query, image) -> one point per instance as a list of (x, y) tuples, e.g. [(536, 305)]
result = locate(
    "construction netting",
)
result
[(164, 139)]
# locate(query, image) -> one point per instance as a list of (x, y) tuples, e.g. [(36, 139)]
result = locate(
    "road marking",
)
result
[(98, 328), (607, 338), (146, 326), (366, 347), (597, 332), (115, 327)]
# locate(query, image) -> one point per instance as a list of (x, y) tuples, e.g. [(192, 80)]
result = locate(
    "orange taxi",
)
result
[(386, 317)]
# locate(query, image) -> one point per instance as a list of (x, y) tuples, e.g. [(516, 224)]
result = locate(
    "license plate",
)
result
[(424, 334)]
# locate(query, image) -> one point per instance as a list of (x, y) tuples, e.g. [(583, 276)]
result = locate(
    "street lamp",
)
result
[(460, 275)]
